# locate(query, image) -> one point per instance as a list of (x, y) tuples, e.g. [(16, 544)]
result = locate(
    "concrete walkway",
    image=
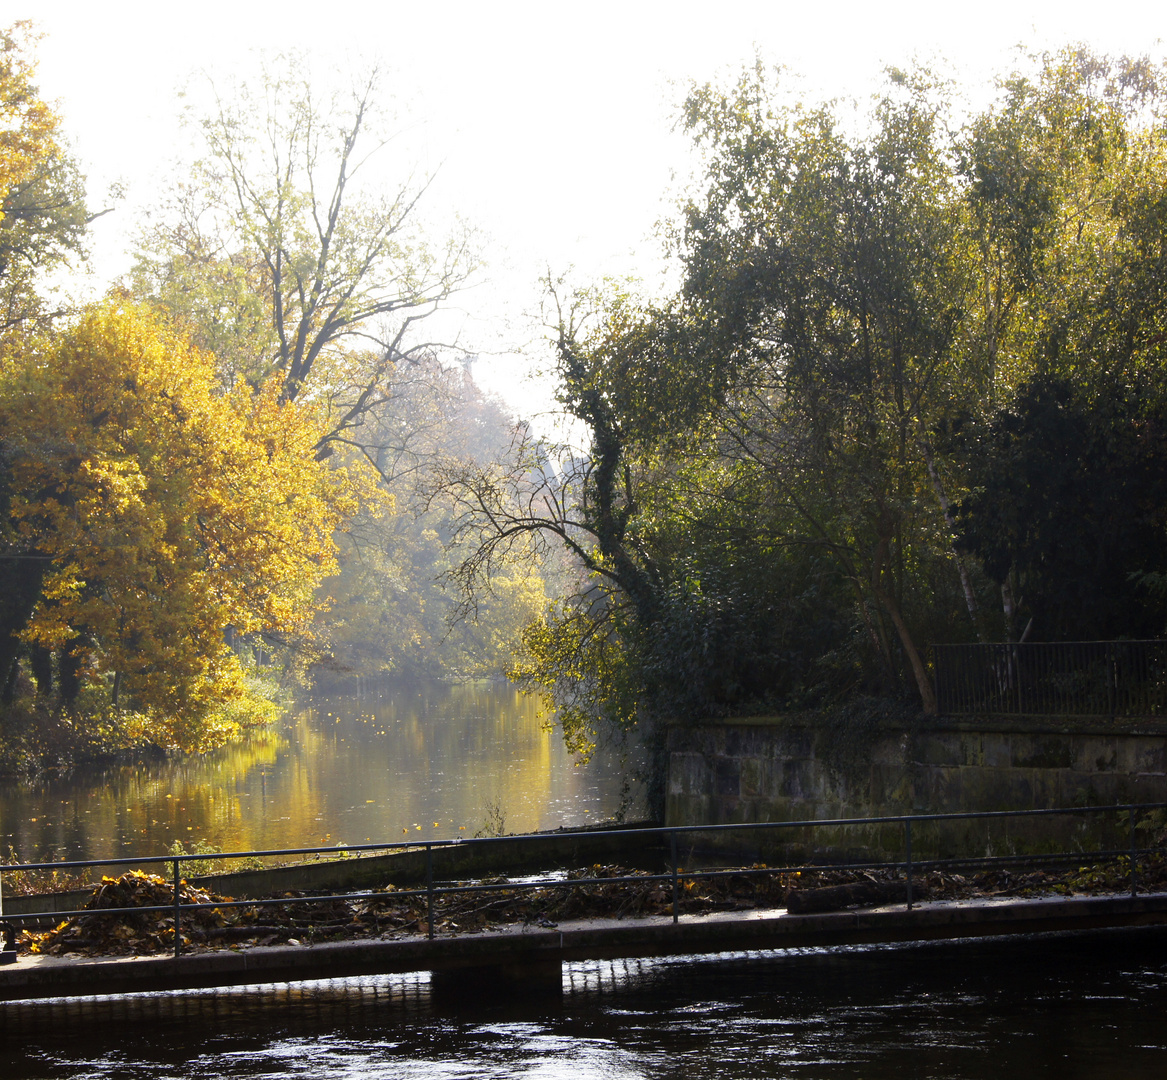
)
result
[(519, 954)]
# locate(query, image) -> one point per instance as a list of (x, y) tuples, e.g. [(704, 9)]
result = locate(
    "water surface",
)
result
[(425, 761), (1059, 1007)]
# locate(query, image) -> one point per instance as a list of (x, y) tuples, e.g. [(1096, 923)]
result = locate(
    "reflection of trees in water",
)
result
[(450, 750), (336, 769), (118, 810)]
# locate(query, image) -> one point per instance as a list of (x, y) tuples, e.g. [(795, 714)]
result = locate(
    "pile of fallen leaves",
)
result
[(586, 893), (97, 932)]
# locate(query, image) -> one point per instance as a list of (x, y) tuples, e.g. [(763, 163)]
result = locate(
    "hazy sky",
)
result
[(549, 124)]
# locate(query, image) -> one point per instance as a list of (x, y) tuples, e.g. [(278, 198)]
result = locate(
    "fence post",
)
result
[(429, 888), (1111, 680), (1134, 871), (908, 845), (673, 852), (7, 930), (177, 911)]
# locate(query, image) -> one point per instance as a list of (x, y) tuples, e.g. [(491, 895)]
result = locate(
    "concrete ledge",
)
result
[(514, 947)]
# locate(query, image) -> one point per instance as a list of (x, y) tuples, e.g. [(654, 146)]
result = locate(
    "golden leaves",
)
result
[(171, 511), (27, 124)]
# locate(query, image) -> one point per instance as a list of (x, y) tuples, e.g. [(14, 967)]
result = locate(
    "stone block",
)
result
[(751, 777), (726, 777), (940, 748), (999, 789), (1151, 756), (1126, 754), (996, 750), (688, 774), (794, 742), (1047, 786), (1043, 752), (795, 780), (1095, 753), (939, 790), (687, 810), (894, 749), (1148, 787), (774, 809), (891, 787)]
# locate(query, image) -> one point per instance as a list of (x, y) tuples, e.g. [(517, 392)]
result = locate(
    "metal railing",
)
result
[(1108, 679), (1126, 818)]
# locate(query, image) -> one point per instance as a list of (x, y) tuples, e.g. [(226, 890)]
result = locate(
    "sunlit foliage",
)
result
[(42, 207), (162, 517), (834, 444)]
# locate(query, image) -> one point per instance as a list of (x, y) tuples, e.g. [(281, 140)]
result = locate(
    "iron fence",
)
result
[(1125, 818), (1108, 679)]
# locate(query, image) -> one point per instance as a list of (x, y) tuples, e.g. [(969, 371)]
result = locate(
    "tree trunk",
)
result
[(923, 682), (965, 582)]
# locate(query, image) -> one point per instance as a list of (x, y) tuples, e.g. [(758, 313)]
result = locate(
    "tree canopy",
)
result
[(290, 261), (42, 206), (161, 517), (910, 390)]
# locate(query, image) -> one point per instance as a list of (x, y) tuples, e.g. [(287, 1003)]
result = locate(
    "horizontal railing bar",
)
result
[(565, 883), (655, 830)]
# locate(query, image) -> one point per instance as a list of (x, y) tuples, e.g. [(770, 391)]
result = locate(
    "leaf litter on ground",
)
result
[(594, 892)]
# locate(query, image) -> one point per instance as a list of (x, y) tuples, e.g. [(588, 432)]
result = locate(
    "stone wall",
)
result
[(768, 769)]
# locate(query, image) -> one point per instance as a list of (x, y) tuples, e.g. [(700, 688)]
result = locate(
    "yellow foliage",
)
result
[(583, 669), (27, 124), (171, 512)]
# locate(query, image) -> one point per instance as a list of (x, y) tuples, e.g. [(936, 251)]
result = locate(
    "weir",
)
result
[(526, 961), (525, 956)]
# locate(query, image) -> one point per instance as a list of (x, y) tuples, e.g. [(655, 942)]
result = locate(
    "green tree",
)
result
[(1067, 179), (771, 509), (830, 271), (1071, 503)]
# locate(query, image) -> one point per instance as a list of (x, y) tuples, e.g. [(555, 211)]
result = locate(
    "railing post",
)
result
[(673, 853), (1111, 663), (177, 911), (7, 930), (1134, 871), (908, 846), (429, 888)]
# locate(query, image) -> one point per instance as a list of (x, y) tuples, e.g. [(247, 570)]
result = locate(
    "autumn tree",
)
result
[(162, 517), (291, 256), (42, 206)]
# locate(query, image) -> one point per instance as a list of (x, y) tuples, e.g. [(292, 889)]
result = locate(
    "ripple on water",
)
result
[(1065, 1007)]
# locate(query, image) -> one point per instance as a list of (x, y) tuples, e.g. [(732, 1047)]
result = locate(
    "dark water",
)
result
[(403, 761), (1065, 1007)]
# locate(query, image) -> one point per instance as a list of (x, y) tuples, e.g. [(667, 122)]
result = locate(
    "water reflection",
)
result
[(432, 761), (1066, 1007)]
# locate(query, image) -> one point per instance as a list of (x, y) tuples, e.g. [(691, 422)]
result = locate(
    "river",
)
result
[(449, 761), (417, 761), (1090, 1007)]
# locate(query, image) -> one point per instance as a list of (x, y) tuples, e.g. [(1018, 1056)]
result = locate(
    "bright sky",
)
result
[(551, 123)]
